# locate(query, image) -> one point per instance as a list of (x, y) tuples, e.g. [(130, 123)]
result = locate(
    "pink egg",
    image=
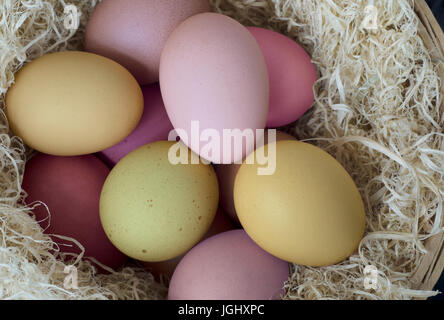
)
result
[(70, 187), (134, 32), (292, 76), (213, 78), (153, 126), (228, 266)]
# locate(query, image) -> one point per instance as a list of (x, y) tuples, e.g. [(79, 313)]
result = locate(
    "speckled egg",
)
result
[(153, 210)]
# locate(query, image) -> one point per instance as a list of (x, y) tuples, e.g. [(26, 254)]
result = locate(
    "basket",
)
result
[(432, 266), (28, 269)]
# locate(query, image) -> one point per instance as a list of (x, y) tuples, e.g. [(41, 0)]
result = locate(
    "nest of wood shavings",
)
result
[(377, 111)]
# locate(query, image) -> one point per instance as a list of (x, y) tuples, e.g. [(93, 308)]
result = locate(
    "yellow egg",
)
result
[(308, 212), (153, 210), (73, 103)]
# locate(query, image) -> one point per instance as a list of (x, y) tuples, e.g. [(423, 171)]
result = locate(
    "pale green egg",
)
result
[(153, 210)]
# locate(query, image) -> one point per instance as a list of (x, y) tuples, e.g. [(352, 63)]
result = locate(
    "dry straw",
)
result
[(378, 111)]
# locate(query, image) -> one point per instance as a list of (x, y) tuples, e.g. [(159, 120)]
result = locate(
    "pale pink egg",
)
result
[(134, 32), (228, 266), (213, 76)]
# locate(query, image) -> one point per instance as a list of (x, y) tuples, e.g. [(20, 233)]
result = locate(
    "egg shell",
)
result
[(213, 71), (228, 266), (133, 33), (292, 76), (70, 187), (308, 212), (220, 224), (73, 103), (154, 126), (226, 175), (153, 210)]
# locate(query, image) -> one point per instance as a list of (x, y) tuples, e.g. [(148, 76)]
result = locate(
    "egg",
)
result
[(226, 174), (220, 224), (153, 210), (228, 266), (154, 126), (308, 212), (133, 33), (213, 77), (73, 103), (70, 187), (292, 76)]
